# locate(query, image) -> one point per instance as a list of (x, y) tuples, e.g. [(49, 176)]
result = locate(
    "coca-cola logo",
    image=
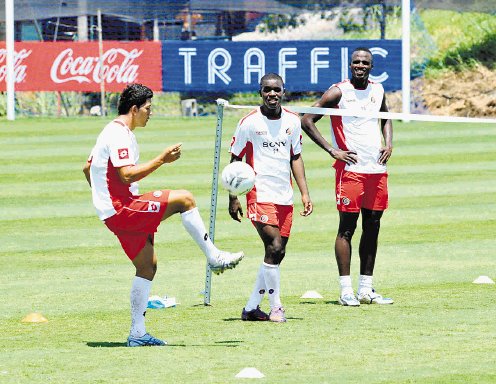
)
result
[(117, 66), (19, 68)]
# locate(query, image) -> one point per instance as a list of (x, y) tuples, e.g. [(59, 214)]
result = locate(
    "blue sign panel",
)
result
[(226, 66)]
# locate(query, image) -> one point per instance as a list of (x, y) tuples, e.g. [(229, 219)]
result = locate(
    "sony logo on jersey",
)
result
[(274, 144)]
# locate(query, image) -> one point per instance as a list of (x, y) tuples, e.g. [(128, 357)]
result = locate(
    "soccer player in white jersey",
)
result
[(361, 178), (269, 138), (112, 170)]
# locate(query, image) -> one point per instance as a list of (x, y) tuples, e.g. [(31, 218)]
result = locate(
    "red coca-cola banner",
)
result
[(73, 66)]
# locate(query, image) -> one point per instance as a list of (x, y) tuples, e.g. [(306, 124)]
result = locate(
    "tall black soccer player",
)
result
[(362, 148)]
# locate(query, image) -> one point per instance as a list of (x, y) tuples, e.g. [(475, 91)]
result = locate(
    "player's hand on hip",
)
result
[(385, 154), (172, 153), (349, 157), (235, 209)]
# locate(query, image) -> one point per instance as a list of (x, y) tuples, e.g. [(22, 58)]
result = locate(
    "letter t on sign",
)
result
[(187, 53)]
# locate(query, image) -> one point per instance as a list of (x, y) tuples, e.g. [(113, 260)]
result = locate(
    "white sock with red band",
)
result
[(258, 292), (272, 278), (139, 301), (193, 223)]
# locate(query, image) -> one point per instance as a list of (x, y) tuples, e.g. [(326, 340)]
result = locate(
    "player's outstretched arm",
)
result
[(298, 168), (132, 173)]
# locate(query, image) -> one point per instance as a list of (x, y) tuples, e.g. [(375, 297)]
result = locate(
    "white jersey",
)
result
[(115, 147), (359, 134), (268, 146)]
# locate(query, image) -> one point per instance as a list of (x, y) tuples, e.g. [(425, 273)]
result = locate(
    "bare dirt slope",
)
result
[(471, 93)]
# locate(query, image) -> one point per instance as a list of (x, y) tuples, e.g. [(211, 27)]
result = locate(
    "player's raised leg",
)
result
[(183, 202)]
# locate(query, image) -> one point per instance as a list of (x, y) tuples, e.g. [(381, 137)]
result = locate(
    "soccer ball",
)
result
[(238, 178)]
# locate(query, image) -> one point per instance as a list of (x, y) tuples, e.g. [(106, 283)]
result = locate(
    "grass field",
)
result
[(58, 259)]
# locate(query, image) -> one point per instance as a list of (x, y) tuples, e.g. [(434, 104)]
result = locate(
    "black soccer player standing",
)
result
[(361, 177), (112, 170), (269, 138)]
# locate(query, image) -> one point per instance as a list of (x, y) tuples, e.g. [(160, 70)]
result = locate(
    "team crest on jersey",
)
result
[(123, 153), (157, 193), (153, 206)]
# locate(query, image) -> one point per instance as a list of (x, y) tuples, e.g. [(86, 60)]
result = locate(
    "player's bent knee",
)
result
[(187, 199), (179, 201)]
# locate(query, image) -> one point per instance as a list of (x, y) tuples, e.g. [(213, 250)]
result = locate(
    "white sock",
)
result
[(258, 292), (345, 283), (364, 284), (139, 301), (272, 278), (193, 223)]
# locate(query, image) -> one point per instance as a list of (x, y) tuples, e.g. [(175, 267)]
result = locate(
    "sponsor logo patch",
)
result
[(123, 153), (153, 206)]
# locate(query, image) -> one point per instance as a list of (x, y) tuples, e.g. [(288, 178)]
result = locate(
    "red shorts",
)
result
[(359, 190), (280, 216), (138, 220)]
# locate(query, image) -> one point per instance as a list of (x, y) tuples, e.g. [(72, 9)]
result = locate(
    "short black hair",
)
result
[(271, 76), (365, 49), (133, 94)]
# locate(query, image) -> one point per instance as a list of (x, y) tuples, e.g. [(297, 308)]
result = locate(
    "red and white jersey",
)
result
[(268, 146), (115, 147), (359, 134)]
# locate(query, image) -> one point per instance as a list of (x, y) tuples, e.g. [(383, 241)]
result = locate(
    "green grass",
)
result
[(58, 259)]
